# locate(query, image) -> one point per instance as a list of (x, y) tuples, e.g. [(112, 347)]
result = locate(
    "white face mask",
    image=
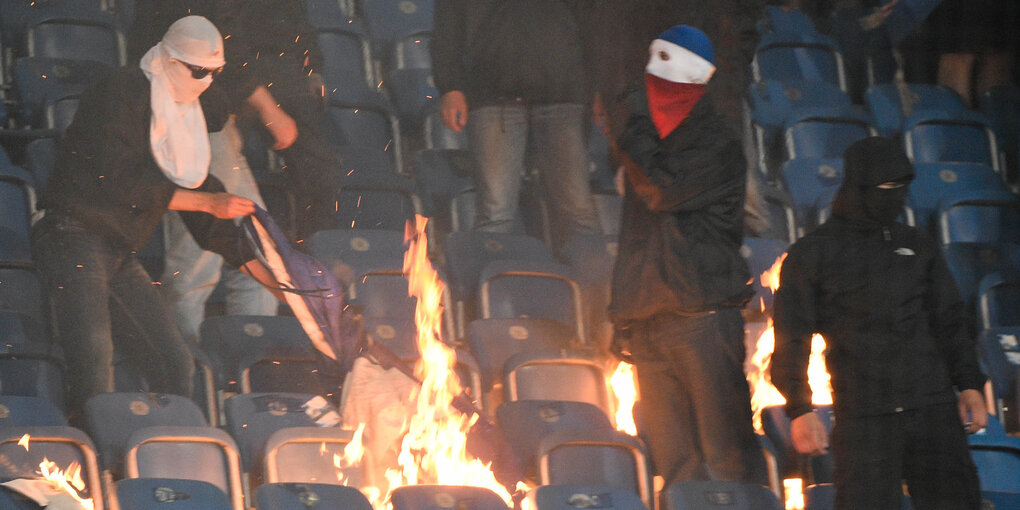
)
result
[(677, 64), (183, 87)]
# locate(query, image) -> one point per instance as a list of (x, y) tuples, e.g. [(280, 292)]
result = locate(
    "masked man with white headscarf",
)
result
[(138, 147)]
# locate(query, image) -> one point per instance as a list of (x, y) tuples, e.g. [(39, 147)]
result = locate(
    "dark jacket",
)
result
[(497, 51), (883, 299), (107, 179), (679, 248)]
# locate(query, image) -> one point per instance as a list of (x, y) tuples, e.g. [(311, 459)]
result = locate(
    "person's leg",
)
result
[(145, 331), (667, 422), (558, 145), (245, 295), (938, 468), (76, 266), (190, 275), (868, 455), (498, 138), (954, 72), (710, 351)]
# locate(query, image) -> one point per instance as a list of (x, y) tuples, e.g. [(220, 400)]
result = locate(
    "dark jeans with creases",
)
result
[(926, 448), (102, 296), (695, 403)]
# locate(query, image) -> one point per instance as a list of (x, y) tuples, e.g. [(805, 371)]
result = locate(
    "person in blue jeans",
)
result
[(516, 76), (138, 147)]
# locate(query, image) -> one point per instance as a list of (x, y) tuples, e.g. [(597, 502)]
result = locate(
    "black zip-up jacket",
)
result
[(882, 297), (499, 51), (679, 246), (107, 179)]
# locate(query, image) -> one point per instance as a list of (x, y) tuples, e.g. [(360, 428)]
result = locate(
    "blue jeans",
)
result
[(551, 137), (101, 297), (191, 273)]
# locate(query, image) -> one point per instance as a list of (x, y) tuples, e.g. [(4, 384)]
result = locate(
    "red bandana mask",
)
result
[(670, 102)]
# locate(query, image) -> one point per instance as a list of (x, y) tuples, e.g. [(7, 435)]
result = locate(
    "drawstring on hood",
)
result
[(867, 164)]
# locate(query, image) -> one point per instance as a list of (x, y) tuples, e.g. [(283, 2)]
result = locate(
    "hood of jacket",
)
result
[(867, 164)]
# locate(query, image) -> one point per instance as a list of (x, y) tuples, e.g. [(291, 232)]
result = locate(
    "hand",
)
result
[(227, 207), (281, 126), (453, 110), (808, 434), (973, 413)]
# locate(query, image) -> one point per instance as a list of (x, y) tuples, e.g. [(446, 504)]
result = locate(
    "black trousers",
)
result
[(695, 409), (926, 448)]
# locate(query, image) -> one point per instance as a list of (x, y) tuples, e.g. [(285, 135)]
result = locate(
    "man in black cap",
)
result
[(905, 377)]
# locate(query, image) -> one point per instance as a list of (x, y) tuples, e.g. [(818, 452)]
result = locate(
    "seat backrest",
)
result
[(20, 411), (531, 288), (936, 183), (79, 39), (493, 341), (227, 338), (24, 449), (705, 495), (936, 136), (467, 252), (362, 250), (1000, 357), (571, 497), (32, 369), (438, 497), (149, 493), (526, 422), (890, 103), (111, 418), (807, 57), (979, 221), (307, 455), (571, 375), (998, 299), (192, 453), (388, 20), (253, 417), (299, 496), (595, 457), (823, 134), (42, 81)]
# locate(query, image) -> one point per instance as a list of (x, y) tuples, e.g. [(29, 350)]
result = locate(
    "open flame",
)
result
[(433, 449), (67, 482), (764, 394), (625, 391)]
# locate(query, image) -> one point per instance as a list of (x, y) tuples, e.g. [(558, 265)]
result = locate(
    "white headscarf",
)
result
[(177, 130)]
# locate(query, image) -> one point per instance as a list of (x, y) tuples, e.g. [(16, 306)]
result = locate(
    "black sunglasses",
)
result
[(198, 72)]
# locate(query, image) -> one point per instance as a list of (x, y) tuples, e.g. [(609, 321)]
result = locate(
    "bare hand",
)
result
[(808, 434), (227, 207), (453, 110), (281, 126), (971, 404)]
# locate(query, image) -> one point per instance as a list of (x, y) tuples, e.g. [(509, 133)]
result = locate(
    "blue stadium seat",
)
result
[(42, 83), (111, 418), (935, 137), (786, 21), (169, 493), (822, 496), (530, 288), (440, 497), (936, 183), (569, 497), (374, 199), (590, 258), (409, 77), (493, 341), (362, 250), (997, 457), (707, 495), (811, 182), (526, 422), (382, 295), (466, 252), (61, 445), (389, 20), (21, 291), (205, 454), (1001, 104), (306, 455), (801, 56), (1000, 359), (94, 37), (439, 176), (253, 417), (998, 299), (979, 221), (596, 457), (823, 133), (575, 375), (297, 496), (890, 104), (16, 208), (18, 411), (969, 262)]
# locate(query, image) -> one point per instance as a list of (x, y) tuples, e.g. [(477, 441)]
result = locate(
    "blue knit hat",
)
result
[(691, 38)]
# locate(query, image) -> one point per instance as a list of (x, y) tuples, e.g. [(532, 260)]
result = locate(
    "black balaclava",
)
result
[(866, 164)]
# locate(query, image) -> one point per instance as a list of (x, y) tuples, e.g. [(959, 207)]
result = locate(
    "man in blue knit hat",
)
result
[(679, 282)]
